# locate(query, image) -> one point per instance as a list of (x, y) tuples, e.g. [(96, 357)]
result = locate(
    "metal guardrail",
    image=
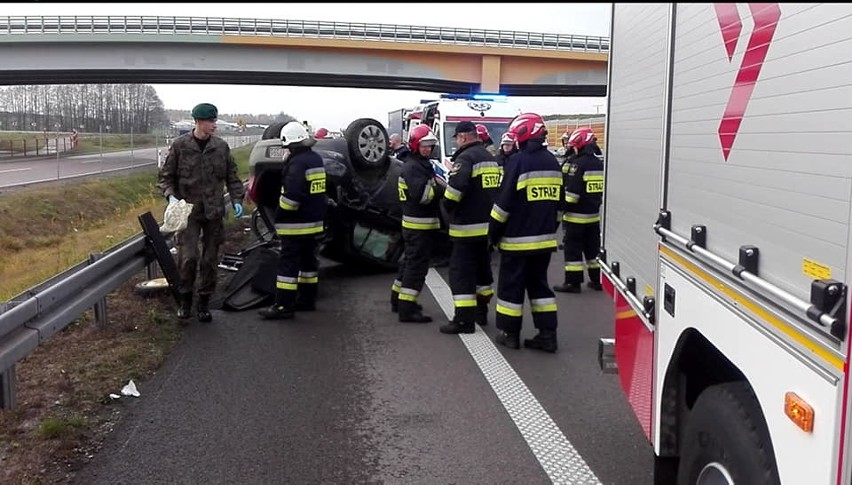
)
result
[(32, 317), (29, 319), (28, 25)]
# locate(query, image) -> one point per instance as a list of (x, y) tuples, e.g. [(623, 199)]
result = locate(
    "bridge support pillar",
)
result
[(490, 79)]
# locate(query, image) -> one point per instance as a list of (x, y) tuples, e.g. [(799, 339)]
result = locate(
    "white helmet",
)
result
[(295, 133)]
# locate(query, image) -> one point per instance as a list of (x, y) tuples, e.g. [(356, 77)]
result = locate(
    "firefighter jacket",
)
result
[(584, 182), (302, 205), (523, 218), (419, 194), (471, 189), (198, 176)]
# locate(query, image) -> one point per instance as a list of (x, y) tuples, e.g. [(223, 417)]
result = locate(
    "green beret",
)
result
[(205, 111)]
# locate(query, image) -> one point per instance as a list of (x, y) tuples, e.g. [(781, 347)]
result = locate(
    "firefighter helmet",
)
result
[(508, 138), (527, 126), (294, 133), (482, 131), (421, 134), (581, 137)]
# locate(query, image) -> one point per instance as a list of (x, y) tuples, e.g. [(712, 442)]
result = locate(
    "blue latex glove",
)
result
[(172, 199), (238, 210)]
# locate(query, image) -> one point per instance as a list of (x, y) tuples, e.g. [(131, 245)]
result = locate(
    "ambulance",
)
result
[(727, 223), (443, 114)]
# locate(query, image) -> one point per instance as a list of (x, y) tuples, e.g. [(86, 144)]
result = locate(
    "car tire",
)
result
[(274, 130), (367, 141), (726, 439)]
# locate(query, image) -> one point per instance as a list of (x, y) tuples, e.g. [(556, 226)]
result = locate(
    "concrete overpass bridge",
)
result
[(92, 49)]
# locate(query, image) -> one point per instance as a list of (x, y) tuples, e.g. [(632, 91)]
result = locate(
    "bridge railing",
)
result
[(29, 25)]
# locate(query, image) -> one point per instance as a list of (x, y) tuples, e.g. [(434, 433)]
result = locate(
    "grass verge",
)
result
[(64, 409), (47, 230)]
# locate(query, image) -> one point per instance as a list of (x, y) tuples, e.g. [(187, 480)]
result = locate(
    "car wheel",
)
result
[(274, 130), (726, 440), (368, 146)]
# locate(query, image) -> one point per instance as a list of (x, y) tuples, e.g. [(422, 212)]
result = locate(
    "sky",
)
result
[(312, 103)]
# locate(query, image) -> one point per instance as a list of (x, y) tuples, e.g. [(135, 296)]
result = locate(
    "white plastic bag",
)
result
[(176, 216)]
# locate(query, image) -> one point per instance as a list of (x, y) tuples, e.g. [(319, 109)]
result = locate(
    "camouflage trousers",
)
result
[(210, 235)]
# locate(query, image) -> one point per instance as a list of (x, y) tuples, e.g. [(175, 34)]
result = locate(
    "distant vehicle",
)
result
[(364, 220), (443, 114)]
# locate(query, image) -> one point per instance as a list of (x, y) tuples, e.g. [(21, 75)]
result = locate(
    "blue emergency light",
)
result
[(491, 97), (478, 97)]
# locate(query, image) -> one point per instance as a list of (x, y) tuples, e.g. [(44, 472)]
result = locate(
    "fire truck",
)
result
[(443, 114), (726, 237)]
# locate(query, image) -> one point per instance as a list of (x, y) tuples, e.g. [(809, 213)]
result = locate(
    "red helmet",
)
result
[(527, 126), (321, 133), (581, 137), (482, 131), (421, 134)]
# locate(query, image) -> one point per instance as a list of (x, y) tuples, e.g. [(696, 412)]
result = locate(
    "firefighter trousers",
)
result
[(211, 234), (298, 271), (414, 266), (524, 273), (582, 242), (470, 277)]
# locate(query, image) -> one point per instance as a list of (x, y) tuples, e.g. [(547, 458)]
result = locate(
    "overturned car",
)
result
[(363, 221)]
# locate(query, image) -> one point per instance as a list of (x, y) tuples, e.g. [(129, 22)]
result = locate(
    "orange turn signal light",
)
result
[(799, 412)]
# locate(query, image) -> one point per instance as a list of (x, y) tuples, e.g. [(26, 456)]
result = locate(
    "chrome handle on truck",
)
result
[(627, 287), (828, 297)]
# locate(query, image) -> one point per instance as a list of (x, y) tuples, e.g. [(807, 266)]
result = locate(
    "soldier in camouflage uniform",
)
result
[(197, 167)]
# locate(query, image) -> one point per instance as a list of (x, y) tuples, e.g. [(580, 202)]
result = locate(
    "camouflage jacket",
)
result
[(199, 177)]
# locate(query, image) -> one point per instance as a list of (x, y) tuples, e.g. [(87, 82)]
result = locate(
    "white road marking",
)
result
[(561, 462), (9, 170)]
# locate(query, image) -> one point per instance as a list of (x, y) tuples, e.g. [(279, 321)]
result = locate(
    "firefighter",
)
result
[(419, 195), (508, 147), (471, 188), (298, 224), (196, 168), (523, 227), (566, 153), (581, 218), (487, 142)]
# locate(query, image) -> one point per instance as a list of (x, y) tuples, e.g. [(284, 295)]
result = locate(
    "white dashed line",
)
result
[(561, 462)]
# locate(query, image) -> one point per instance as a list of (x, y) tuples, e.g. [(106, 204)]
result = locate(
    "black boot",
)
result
[(594, 285), (545, 341), (568, 288), (508, 339), (276, 312), (204, 309), (410, 312), (482, 314), (185, 308), (395, 303), (456, 326)]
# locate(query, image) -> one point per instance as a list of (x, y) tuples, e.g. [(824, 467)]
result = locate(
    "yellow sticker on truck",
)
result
[(815, 270)]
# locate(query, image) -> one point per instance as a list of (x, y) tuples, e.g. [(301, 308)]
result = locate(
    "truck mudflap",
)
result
[(633, 348)]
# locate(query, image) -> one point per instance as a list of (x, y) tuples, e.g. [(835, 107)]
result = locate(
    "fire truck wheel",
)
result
[(726, 440)]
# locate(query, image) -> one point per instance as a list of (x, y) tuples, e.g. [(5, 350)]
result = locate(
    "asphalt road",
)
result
[(349, 395), (50, 169)]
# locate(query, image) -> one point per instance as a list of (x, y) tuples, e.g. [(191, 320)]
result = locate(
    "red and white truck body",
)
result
[(726, 236)]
